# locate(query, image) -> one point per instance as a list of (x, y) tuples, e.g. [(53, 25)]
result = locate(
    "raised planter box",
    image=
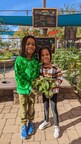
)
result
[(7, 87), (7, 63), (9, 90)]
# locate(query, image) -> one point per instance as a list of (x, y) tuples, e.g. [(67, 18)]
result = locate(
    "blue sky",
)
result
[(30, 4)]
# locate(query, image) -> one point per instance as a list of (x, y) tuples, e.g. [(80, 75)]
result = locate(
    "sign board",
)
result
[(44, 18), (43, 42), (70, 33)]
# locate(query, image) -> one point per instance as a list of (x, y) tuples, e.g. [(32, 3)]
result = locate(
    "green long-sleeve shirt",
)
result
[(25, 72)]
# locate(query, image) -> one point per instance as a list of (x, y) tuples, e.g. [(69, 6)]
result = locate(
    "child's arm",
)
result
[(19, 72)]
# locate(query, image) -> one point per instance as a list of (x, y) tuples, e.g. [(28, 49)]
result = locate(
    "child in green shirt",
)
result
[(26, 70)]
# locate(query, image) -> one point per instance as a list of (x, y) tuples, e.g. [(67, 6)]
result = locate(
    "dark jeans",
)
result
[(53, 102)]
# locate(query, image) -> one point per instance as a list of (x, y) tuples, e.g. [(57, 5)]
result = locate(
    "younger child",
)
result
[(26, 70), (50, 70)]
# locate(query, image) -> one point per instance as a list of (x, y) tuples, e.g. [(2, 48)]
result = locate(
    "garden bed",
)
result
[(8, 63)]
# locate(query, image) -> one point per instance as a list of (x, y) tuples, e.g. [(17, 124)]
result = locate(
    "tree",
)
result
[(26, 30)]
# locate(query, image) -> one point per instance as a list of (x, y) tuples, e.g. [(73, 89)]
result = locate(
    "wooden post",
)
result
[(44, 3), (44, 30)]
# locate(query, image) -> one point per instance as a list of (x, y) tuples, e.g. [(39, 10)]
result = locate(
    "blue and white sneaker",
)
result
[(30, 128), (24, 133)]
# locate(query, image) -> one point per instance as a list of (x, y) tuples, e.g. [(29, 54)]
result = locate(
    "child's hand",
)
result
[(33, 91), (37, 79), (58, 82)]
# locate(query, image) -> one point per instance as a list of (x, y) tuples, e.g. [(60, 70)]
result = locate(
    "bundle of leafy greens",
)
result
[(44, 85)]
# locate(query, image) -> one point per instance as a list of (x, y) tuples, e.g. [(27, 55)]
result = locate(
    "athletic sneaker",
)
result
[(24, 134), (44, 125), (30, 128), (56, 131)]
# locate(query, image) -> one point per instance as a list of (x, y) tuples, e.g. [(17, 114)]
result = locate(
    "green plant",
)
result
[(74, 69), (64, 57), (6, 56), (44, 85), (69, 60)]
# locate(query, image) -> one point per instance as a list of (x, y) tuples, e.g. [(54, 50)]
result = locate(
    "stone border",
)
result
[(8, 88)]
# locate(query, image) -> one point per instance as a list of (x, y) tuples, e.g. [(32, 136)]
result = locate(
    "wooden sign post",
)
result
[(46, 42), (45, 18)]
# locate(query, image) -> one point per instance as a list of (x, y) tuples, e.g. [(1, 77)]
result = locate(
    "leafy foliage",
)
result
[(44, 85), (69, 60), (64, 57)]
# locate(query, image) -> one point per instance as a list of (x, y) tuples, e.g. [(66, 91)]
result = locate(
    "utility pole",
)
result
[(44, 3), (44, 30)]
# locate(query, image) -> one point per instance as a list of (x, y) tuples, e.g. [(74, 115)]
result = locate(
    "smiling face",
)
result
[(45, 56), (30, 47)]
